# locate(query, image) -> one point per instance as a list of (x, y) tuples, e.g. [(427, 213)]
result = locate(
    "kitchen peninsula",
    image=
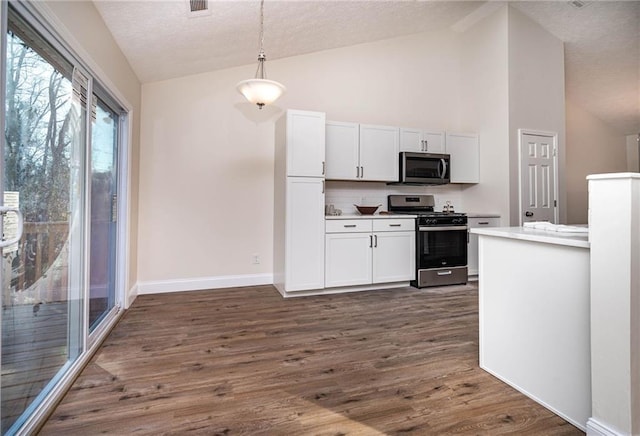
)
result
[(534, 315)]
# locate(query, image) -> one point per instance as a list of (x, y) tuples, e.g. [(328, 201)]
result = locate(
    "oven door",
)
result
[(441, 247)]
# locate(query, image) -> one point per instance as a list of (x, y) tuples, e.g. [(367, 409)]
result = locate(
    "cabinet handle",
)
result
[(370, 241), (357, 172), (323, 186), (444, 273), (426, 145), (323, 165), (395, 225), (362, 172), (349, 225), (483, 223), (376, 239)]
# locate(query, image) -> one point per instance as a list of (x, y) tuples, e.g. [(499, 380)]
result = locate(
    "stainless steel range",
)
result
[(441, 241)]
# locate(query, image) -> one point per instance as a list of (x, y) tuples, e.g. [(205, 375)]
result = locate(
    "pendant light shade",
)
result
[(260, 90)]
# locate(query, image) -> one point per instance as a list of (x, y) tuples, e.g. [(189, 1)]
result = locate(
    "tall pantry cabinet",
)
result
[(298, 257)]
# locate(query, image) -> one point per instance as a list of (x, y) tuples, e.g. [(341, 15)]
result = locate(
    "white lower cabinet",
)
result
[(348, 259), (363, 251), (393, 256), (472, 248)]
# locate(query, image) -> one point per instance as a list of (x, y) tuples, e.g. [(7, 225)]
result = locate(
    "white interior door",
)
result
[(538, 198)]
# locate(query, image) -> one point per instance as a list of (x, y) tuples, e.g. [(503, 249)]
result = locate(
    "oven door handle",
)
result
[(441, 229)]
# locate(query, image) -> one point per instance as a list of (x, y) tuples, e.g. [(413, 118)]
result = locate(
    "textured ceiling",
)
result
[(161, 41), (602, 56)]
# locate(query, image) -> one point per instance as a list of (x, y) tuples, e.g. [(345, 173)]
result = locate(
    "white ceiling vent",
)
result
[(198, 8)]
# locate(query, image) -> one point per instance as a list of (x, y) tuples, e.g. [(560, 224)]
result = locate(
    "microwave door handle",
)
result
[(444, 168)]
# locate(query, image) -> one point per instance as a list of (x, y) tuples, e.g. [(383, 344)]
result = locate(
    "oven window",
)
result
[(442, 248)]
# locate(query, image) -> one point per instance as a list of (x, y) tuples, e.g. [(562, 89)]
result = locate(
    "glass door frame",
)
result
[(43, 20)]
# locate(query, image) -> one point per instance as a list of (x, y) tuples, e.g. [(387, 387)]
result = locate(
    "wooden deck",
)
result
[(246, 361), (34, 348)]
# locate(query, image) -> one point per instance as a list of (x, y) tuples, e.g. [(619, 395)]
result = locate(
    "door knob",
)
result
[(527, 213)]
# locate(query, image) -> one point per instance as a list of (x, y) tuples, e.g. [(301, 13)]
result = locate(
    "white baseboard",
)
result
[(201, 283), (597, 428), (131, 296)]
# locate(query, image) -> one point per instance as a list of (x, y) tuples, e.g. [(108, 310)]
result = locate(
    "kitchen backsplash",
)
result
[(343, 195)]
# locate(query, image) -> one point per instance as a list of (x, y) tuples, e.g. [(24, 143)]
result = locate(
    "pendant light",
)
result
[(260, 90)]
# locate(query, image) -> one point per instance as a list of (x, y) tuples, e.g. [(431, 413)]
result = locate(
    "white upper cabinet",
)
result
[(434, 141), (379, 149), (426, 141), (411, 140), (362, 152), (343, 144), (464, 149), (305, 143)]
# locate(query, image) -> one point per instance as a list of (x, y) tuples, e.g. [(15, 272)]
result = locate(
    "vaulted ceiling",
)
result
[(162, 40)]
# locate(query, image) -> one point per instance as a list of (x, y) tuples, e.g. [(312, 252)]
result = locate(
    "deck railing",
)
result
[(35, 266)]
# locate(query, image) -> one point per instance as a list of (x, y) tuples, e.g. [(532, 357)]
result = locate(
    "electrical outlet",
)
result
[(256, 259)]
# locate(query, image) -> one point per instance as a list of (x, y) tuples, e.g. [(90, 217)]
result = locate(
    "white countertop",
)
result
[(580, 240), (369, 217)]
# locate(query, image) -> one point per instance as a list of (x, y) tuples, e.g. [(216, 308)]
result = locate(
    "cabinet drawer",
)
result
[(348, 226), (393, 225), (484, 222)]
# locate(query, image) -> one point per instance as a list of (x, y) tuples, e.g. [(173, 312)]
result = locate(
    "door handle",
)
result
[(528, 213), (5, 210)]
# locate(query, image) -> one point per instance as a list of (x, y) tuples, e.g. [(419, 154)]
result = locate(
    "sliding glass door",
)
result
[(104, 211), (59, 176)]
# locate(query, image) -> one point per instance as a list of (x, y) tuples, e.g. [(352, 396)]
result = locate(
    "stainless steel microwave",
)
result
[(424, 168)]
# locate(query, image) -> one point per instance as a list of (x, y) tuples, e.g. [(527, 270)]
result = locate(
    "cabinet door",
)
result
[(348, 259), (379, 149), (411, 140), (394, 257), (472, 249), (464, 149), (434, 141), (342, 151), (304, 241), (305, 143)]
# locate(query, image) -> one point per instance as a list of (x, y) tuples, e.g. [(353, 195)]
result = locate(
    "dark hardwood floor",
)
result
[(247, 361)]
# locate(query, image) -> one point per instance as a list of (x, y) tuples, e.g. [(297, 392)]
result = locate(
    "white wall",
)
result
[(592, 148), (536, 96), (206, 158), (633, 153), (484, 108)]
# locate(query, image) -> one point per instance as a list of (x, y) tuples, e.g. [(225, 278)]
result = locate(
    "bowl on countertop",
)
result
[(367, 210)]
